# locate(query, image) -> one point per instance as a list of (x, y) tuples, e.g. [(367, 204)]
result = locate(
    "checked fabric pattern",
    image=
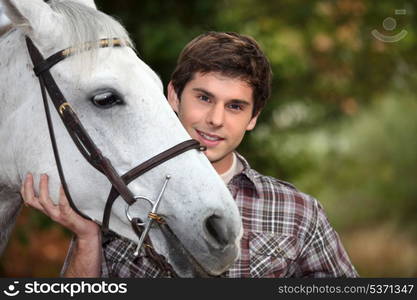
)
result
[(286, 234)]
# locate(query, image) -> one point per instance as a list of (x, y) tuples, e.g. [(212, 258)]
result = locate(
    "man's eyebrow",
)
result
[(211, 95), (207, 93), (241, 102)]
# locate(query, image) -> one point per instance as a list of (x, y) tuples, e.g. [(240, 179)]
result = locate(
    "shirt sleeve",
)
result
[(105, 273), (324, 255), (68, 257), (106, 269)]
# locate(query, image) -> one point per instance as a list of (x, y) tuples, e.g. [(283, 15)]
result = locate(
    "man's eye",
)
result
[(106, 100), (235, 107), (203, 98)]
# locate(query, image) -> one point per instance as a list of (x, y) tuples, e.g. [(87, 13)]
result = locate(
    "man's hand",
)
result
[(84, 258), (61, 213)]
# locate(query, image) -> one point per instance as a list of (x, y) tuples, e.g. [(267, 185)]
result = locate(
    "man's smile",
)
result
[(210, 140)]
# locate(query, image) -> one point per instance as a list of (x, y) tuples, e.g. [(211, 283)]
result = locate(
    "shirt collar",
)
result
[(231, 172), (251, 174)]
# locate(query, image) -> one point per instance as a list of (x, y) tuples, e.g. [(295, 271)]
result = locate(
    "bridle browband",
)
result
[(93, 154)]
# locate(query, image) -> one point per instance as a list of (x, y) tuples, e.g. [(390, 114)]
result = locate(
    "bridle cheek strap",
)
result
[(145, 167)]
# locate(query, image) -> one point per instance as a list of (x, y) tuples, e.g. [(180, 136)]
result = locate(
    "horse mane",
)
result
[(4, 29), (5, 24), (83, 24)]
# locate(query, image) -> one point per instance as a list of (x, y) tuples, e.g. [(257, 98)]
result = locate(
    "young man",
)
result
[(218, 89)]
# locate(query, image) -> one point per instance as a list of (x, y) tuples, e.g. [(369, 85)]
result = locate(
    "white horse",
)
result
[(121, 104), (4, 22)]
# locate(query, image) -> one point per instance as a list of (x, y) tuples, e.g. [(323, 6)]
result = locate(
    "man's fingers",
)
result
[(62, 213), (44, 200), (43, 188), (35, 204), (64, 205), (63, 201), (27, 191)]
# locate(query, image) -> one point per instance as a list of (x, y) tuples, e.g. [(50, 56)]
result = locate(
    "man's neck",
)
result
[(223, 164), (228, 175)]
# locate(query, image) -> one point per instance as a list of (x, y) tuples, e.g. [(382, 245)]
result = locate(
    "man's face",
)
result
[(216, 110)]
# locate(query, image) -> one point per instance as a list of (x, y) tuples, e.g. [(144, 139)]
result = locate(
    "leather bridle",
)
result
[(92, 153)]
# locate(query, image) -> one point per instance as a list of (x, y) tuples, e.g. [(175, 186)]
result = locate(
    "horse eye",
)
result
[(106, 100)]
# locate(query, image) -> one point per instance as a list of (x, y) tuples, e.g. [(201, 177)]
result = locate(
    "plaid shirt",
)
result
[(286, 234)]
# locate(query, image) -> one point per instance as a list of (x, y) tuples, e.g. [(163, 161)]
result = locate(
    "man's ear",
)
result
[(34, 17), (252, 122), (173, 99)]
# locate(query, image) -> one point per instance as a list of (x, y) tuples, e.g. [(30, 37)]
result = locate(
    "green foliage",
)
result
[(362, 168), (384, 158)]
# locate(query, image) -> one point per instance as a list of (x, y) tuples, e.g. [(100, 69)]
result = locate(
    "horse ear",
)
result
[(32, 16)]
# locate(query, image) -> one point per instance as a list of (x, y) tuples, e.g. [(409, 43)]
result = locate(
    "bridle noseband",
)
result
[(91, 152)]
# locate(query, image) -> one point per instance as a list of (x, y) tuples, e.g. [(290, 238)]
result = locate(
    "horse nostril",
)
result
[(216, 229)]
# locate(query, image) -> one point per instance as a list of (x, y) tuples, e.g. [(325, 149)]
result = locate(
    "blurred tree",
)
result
[(324, 56)]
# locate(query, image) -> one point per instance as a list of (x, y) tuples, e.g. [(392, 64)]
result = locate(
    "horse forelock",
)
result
[(84, 24), (81, 25)]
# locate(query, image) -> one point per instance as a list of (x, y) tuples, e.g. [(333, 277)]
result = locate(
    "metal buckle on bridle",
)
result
[(152, 216), (63, 106)]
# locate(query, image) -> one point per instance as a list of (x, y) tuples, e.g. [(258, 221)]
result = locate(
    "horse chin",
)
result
[(183, 262)]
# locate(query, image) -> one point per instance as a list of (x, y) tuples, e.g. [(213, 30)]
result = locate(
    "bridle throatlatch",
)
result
[(94, 156)]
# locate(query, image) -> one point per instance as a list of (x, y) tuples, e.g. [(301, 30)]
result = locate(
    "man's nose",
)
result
[(216, 116)]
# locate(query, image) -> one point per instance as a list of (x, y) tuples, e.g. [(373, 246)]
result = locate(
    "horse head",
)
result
[(120, 102)]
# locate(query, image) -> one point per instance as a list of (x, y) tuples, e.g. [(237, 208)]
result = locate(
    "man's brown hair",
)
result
[(231, 54)]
